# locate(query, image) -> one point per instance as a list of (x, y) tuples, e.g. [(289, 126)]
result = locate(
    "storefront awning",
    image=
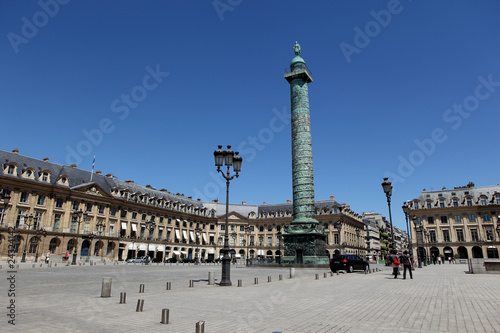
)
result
[(192, 236), (205, 238), (151, 247), (176, 253), (132, 247), (160, 248), (184, 252), (260, 252), (124, 226), (177, 234), (134, 227), (211, 251), (184, 234), (142, 247)]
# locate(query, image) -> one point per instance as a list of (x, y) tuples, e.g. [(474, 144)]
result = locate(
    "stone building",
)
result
[(462, 222), (45, 207)]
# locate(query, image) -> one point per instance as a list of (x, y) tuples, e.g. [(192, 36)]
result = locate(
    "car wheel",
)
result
[(350, 269)]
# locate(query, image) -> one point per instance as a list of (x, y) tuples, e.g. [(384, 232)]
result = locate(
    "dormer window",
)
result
[(44, 176), (483, 201), (455, 202), (469, 201), (10, 169), (441, 203)]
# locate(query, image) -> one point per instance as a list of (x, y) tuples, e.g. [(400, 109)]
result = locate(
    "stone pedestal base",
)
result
[(306, 260)]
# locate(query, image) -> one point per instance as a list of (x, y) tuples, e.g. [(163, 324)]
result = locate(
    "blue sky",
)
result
[(404, 89)]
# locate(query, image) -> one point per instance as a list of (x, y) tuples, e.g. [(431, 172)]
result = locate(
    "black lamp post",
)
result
[(261, 243), (228, 158), (197, 230), (6, 198), (280, 239), (78, 215), (408, 231), (387, 186), (90, 237), (357, 238), (30, 219), (100, 228), (338, 225), (150, 225), (415, 221), (39, 232), (247, 232), (498, 230)]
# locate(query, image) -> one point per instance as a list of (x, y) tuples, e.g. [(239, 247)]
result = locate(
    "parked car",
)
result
[(172, 260), (137, 260), (349, 263), (156, 260)]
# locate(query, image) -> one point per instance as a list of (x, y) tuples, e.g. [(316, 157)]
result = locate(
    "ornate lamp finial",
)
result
[(296, 48)]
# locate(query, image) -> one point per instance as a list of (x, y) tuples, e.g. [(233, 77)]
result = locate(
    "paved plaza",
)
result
[(441, 298)]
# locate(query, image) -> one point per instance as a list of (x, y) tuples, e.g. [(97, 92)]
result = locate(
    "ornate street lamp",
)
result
[(280, 239), (415, 223), (78, 215), (30, 219), (357, 243), (498, 230), (150, 225), (229, 158), (387, 186), (406, 209), (197, 230), (100, 228), (427, 236), (39, 232), (90, 237), (338, 225), (6, 198)]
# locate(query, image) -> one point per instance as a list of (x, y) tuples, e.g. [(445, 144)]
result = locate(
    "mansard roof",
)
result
[(78, 177)]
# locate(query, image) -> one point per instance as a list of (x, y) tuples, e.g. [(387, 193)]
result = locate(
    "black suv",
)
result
[(349, 263)]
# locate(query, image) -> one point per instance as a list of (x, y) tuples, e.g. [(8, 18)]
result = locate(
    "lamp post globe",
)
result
[(387, 187)]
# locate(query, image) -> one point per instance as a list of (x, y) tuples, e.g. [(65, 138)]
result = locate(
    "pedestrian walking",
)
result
[(47, 257), (407, 264), (394, 261), (439, 260)]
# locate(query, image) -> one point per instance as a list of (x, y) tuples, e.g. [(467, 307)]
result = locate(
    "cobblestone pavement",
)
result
[(441, 298)]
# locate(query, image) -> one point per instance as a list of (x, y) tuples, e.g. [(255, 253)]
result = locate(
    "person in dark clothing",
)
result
[(407, 264), (393, 259)]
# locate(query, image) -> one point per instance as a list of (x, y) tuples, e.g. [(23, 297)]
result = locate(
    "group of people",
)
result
[(404, 260)]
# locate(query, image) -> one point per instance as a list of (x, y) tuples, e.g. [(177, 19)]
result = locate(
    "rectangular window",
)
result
[(222, 227), (101, 209), (252, 240), (444, 219), (59, 203), (76, 205), (474, 235), (160, 232), (242, 240), (489, 234), (483, 201), (455, 202), (143, 229), (458, 219), (469, 202), (242, 228), (111, 229), (212, 227), (72, 228), (41, 200), (24, 197), (269, 228), (232, 227), (89, 207), (486, 218), (446, 235), (497, 198), (21, 217), (144, 217), (415, 203), (472, 218), (429, 205), (112, 211), (37, 220), (86, 228), (336, 238), (161, 219), (134, 215), (432, 235), (441, 203), (269, 240), (460, 235), (430, 220), (212, 240)]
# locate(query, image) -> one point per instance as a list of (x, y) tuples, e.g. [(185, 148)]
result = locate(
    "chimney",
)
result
[(109, 175), (198, 199), (73, 166), (15, 151), (190, 198), (45, 159), (243, 202), (129, 181), (215, 200), (265, 203), (332, 197), (98, 172), (163, 190), (288, 201), (148, 186)]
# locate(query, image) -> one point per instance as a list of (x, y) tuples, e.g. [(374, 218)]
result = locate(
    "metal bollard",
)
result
[(140, 305), (256, 281), (123, 297), (200, 327), (191, 283), (331, 273), (338, 273), (33, 266), (211, 278), (169, 285), (240, 283), (268, 279), (325, 275), (141, 288), (292, 272), (165, 314), (280, 277), (317, 276), (106, 287)]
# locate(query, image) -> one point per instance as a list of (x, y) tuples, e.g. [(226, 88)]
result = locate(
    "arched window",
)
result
[(53, 245)]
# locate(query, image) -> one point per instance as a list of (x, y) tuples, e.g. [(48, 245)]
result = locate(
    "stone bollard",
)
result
[(0, 266), (256, 281), (165, 316), (106, 287), (200, 327), (325, 275), (169, 286), (141, 288), (317, 276), (123, 297), (55, 265), (331, 273), (40, 265), (33, 266), (211, 278), (191, 283), (292, 272), (268, 279), (79, 264), (280, 277), (140, 305), (338, 273), (240, 283)]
